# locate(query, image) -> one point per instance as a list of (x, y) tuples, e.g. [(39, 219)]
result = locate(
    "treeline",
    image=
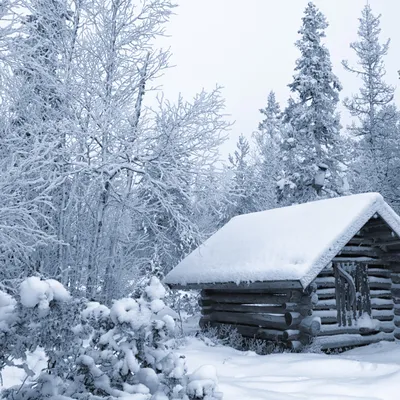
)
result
[(99, 191)]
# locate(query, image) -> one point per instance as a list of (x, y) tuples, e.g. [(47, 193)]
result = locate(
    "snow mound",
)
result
[(365, 321), (203, 381), (7, 316), (289, 243), (36, 292), (155, 290)]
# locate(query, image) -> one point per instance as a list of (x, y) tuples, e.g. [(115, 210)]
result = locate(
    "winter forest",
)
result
[(102, 194)]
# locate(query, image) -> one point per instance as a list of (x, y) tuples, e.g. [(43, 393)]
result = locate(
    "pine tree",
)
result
[(369, 105), (313, 133), (267, 159), (270, 126), (241, 195)]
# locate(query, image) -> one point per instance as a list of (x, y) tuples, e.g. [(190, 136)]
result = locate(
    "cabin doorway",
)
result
[(353, 298)]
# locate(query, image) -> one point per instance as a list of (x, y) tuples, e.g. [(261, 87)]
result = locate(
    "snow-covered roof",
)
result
[(289, 243)]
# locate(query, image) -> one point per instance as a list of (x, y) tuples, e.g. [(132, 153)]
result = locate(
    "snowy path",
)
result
[(368, 373)]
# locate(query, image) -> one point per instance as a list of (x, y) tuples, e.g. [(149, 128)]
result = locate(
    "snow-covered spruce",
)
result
[(95, 352)]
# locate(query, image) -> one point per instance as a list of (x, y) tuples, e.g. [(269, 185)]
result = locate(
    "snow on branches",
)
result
[(95, 352)]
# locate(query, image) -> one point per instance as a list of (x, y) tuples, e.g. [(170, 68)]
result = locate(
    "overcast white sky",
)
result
[(248, 48)]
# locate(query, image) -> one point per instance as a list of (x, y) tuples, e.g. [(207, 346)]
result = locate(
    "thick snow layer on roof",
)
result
[(290, 243)]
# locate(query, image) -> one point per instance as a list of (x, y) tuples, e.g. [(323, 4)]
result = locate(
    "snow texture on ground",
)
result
[(365, 373), (289, 243)]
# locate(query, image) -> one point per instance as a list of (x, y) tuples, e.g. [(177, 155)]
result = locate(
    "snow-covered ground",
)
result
[(366, 373)]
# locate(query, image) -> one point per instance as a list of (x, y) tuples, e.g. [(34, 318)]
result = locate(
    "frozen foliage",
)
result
[(95, 352), (36, 292), (293, 242)]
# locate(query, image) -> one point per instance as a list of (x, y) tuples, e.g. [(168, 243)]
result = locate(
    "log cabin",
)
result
[(324, 273)]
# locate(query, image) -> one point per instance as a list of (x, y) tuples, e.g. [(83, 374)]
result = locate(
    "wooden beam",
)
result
[(245, 308), (252, 298), (310, 325), (261, 320), (360, 241), (273, 286), (348, 340), (293, 319), (335, 329), (379, 272), (291, 334), (359, 251), (366, 260)]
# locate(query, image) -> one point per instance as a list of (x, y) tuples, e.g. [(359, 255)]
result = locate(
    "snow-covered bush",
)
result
[(95, 352)]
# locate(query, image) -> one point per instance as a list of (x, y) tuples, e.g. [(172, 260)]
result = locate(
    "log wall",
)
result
[(282, 316)]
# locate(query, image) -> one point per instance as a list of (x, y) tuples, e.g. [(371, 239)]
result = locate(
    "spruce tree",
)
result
[(370, 105), (312, 135)]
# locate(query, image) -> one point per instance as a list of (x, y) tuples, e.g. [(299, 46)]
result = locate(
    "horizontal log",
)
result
[(379, 272), (388, 243), (261, 320), (382, 304), (379, 283), (383, 315), (384, 294), (326, 304), (326, 293), (396, 322), (245, 308), (303, 309), (383, 235), (326, 272), (310, 325), (335, 329), (360, 241), (291, 334), (325, 282), (327, 316), (396, 334), (305, 339), (359, 251), (252, 298), (272, 286), (329, 294), (349, 340), (293, 319), (258, 308), (363, 260), (392, 256)]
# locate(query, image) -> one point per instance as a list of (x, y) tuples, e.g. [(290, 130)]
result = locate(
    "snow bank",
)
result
[(290, 243), (368, 373), (36, 292), (203, 381)]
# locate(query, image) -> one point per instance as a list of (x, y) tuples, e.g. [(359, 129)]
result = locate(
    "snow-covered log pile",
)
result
[(95, 352)]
